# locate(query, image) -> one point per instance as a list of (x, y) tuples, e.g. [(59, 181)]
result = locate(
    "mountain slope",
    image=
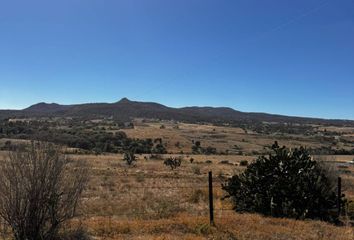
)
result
[(125, 110), (47, 108)]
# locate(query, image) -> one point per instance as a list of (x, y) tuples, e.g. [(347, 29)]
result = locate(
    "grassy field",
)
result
[(178, 137), (150, 201)]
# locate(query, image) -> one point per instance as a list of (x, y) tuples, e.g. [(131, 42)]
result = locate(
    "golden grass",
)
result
[(230, 226), (149, 201), (222, 138)]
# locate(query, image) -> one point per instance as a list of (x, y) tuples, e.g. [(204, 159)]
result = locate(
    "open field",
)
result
[(150, 201), (178, 137)]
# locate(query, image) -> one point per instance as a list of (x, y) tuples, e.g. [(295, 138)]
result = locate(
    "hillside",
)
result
[(126, 109)]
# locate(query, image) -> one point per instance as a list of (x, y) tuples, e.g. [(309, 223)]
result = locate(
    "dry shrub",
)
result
[(196, 170), (198, 195), (39, 191), (140, 177)]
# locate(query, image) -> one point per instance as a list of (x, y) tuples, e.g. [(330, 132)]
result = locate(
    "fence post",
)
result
[(339, 197), (211, 204)]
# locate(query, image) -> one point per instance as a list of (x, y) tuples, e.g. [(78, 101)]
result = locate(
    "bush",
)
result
[(350, 209), (198, 149), (226, 162), (196, 170), (156, 156), (285, 184), (209, 150), (198, 195), (244, 163), (39, 191), (173, 163), (129, 157), (140, 177)]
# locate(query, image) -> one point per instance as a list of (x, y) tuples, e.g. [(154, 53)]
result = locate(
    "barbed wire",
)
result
[(168, 187), (153, 214)]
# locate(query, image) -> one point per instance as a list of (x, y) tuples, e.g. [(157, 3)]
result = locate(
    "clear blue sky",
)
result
[(278, 56)]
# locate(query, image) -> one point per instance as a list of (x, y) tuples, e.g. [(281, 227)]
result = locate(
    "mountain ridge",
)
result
[(126, 109)]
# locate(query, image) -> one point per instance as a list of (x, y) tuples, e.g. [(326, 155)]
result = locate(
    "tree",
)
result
[(39, 191), (285, 184)]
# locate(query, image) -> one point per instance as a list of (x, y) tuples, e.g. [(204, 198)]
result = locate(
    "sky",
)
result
[(277, 56)]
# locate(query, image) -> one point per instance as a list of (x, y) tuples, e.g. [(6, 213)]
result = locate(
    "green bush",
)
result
[(286, 184)]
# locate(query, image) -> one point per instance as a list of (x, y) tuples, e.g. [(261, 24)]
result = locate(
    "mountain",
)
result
[(126, 109), (46, 108)]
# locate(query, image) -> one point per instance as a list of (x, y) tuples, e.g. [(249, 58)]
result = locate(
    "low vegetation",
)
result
[(198, 149), (173, 162)]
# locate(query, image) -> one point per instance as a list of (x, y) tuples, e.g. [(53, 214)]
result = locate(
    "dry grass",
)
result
[(224, 139), (231, 226), (149, 201)]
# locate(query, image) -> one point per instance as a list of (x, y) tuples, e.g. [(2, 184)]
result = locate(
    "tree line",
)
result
[(93, 140)]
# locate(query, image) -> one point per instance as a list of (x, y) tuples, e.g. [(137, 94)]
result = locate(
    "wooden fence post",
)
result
[(339, 197), (211, 204)]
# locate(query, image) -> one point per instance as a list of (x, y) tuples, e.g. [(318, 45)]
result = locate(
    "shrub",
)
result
[(173, 163), (198, 149), (350, 210), (196, 170), (209, 150), (244, 163), (159, 149), (285, 184), (225, 162), (198, 195), (140, 177), (156, 156), (129, 157), (39, 191)]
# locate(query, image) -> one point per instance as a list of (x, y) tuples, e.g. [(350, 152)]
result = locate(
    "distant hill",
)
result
[(126, 109), (47, 108)]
